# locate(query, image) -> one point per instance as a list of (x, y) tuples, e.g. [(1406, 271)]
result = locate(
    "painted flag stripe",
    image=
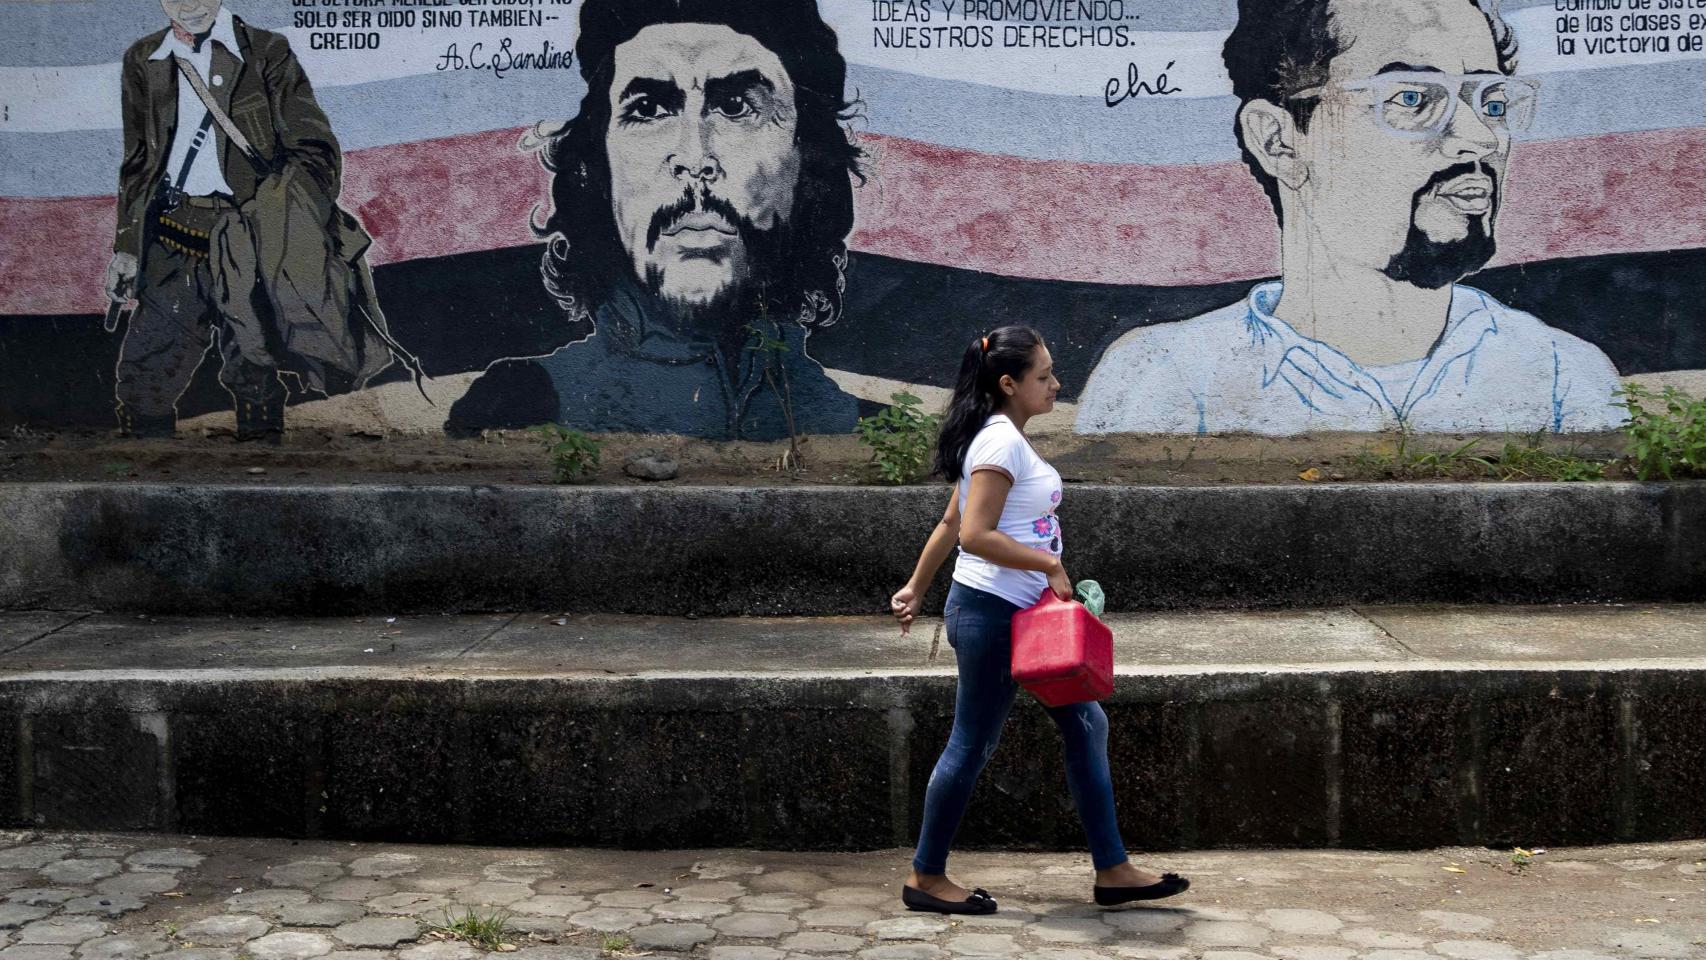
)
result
[(1099, 223), (46, 99), (105, 26), (981, 119)]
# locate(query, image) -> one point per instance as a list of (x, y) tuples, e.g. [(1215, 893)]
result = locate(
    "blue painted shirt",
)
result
[(1240, 369), (635, 376)]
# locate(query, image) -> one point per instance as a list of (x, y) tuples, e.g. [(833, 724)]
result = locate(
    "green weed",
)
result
[(573, 454), (1667, 440), (1530, 460), (1526, 458), (900, 438), (486, 931), (614, 943), (767, 339), (1406, 460)]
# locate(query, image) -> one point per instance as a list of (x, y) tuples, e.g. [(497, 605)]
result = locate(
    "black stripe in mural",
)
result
[(903, 321), (1644, 310)]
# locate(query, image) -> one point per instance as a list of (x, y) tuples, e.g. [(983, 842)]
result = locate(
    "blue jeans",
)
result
[(980, 629)]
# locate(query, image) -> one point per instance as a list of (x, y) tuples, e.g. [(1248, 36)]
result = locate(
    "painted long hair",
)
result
[(583, 253), (977, 391)]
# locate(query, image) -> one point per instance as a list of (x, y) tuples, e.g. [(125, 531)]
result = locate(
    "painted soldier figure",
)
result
[(208, 206)]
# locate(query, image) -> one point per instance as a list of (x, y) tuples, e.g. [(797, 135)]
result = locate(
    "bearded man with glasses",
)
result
[(1380, 131)]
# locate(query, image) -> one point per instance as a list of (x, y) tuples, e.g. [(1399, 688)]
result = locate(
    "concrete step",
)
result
[(816, 551), (1392, 726)]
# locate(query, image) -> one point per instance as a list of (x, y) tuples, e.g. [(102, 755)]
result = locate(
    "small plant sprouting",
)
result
[(767, 340), (1406, 461), (1530, 460), (486, 931), (900, 438), (1523, 459), (614, 943), (573, 453), (1668, 441)]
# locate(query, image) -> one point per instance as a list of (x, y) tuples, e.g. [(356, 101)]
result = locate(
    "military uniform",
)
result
[(173, 206)]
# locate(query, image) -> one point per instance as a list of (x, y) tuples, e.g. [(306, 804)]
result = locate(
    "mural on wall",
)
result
[(228, 232), (1380, 132), (1264, 216), (701, 201)]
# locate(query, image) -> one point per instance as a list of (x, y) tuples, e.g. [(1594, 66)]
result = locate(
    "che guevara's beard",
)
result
[(1431, 264), (732, 307)]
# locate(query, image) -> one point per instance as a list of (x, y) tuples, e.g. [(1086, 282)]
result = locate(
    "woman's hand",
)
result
[(905, 605), (1059, 582)]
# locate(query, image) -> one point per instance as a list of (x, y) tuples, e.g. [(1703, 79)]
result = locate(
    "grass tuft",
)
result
[(1530, 460), (488, 931), (1525, 458)]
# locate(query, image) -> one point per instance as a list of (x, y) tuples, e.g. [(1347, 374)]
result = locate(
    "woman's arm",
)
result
[(979, 534), (907, 601), (937, 548)]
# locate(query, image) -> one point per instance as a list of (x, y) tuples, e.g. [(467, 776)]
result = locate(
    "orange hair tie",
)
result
[(985, 344)]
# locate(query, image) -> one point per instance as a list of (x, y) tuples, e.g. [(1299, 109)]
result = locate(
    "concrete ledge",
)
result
[(1226, 758), (1456, 726), (824, 551)]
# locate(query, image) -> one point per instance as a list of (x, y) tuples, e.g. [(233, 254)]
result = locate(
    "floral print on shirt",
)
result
[(1046, 528)]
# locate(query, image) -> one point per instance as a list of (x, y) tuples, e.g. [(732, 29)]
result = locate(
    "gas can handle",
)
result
[(1049, 599)]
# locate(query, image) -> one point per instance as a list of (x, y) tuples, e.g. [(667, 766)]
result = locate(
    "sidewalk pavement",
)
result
[(1382, 638), (128, 897)]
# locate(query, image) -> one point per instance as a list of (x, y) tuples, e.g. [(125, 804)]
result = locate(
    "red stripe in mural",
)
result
[(1177, 225), (1103, 223), (54, 253), (431, 198)]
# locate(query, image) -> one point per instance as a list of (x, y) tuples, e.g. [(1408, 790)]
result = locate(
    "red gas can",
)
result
[(1062, 653)]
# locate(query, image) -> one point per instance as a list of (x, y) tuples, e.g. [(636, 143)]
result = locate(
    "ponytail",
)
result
[(1007, 351)]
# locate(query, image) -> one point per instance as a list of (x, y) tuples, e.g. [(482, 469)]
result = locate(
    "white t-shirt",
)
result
[(205, 178), (1029, 516)]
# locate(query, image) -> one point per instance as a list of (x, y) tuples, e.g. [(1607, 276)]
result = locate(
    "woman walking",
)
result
[(1002, 511)]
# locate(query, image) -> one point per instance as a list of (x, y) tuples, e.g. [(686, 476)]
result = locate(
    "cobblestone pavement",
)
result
[(129, 897)]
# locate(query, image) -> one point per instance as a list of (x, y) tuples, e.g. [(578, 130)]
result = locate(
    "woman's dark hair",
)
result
[(1006, 352)]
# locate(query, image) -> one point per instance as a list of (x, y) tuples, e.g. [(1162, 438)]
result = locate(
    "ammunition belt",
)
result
[(184, 239)]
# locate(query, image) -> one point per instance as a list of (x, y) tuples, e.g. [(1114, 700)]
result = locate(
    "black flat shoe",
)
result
[(1169, 885), (980, 902)]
